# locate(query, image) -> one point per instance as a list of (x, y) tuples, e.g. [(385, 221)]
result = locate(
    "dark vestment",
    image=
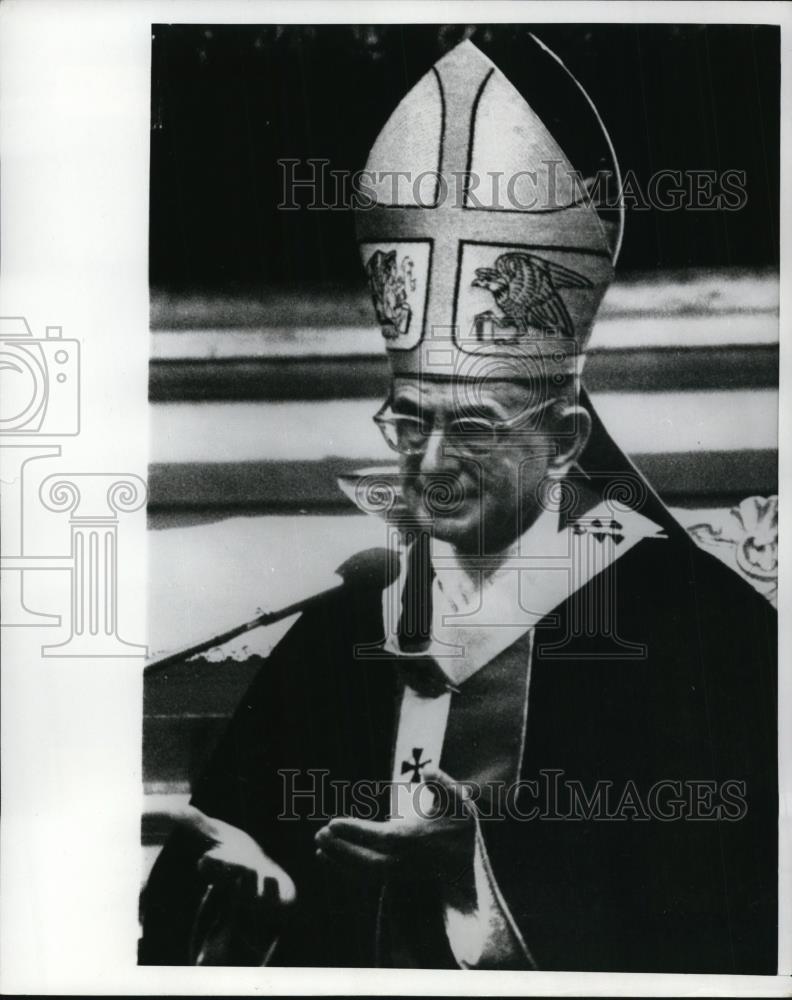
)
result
[(626, 895)]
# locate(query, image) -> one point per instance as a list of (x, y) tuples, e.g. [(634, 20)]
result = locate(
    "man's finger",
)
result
[(355, 856), (351, 855), (447, 791), (434, 776), (267, 881), (217, 870), (284, 886), (369, 833), (185, 817)]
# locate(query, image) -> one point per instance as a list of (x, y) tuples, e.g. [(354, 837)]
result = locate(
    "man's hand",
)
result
[(439, 844), (232, 857)]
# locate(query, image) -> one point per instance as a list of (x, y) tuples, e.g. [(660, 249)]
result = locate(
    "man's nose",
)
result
[(433, 458)]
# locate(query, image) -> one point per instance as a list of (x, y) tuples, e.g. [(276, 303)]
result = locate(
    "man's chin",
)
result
[(458, 525), (457, 529), (464, 527)]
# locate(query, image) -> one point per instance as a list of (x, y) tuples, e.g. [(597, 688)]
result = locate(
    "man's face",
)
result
[(478, 493)]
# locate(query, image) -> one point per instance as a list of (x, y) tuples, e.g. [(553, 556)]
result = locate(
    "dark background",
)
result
[(229, 101)]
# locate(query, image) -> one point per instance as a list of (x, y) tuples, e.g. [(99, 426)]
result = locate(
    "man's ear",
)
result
[(573, 427)]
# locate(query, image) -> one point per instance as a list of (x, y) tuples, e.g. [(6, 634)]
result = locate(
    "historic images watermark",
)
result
[(551, 796), (40, 391), (312, 184)]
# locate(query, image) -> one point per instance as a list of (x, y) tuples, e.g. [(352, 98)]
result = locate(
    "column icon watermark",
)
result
[(40, 383)]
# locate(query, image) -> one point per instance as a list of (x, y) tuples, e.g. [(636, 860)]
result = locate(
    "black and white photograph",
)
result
[(393, 444), (463, 497)]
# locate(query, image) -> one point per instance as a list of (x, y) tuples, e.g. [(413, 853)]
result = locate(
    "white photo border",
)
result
[(74, 140)]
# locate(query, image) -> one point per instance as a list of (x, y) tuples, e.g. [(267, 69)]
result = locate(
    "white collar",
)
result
[(477, 614), (462, 581)]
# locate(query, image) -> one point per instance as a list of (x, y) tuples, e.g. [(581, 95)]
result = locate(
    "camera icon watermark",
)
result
[(40, 380), (40, 383)]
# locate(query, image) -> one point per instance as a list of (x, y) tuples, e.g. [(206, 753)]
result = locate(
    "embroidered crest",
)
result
[(389, 286), (746, 537), (599, 529), (525, 290)]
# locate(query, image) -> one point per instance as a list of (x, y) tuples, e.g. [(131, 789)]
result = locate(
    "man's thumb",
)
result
[(447, 790)]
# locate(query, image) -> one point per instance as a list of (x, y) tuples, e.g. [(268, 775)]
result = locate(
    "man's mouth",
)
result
[(446, 496)]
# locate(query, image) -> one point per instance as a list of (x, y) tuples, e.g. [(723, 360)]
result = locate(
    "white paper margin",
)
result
[(74, 141)]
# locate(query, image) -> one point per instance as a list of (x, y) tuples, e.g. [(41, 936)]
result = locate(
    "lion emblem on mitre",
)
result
[(389, 291)]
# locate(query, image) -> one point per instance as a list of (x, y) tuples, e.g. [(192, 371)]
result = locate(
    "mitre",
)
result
[(484, 254)]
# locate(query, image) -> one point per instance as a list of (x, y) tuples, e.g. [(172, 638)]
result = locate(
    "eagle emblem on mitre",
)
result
[(525, 289)]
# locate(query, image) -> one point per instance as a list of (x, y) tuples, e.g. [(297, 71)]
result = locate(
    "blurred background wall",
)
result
[(266, 365)]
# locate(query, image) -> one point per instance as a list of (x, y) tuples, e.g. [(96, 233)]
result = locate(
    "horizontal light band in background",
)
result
[(639, 296), (747, 329), (653, 423)]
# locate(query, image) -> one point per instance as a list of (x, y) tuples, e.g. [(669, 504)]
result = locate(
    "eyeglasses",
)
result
[(409, 435)]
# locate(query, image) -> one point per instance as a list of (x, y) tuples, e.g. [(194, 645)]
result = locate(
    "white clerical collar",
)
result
[(477, 613), (463, 579)]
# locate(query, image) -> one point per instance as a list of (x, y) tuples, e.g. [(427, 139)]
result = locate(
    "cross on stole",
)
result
[(415, 765), (453, 220)]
